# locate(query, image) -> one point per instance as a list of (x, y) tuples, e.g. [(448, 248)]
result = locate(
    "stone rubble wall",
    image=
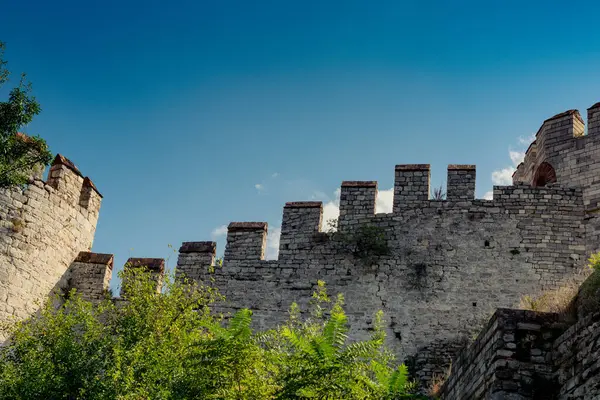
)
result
[(42, 230), (577, 360), (510, 359), (451, 263)]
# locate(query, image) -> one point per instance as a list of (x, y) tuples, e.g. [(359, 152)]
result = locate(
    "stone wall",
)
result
[(577, 360), (90, 275), (42, 230), (451, 263), (562, 149), (510, 359)]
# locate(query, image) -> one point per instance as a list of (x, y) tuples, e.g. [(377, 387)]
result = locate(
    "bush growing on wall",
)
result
[(170, 346)]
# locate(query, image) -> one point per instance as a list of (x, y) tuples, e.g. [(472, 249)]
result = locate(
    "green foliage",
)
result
[(20, 155), (318, 362), (365, 242), (170, 346), (594, 261)]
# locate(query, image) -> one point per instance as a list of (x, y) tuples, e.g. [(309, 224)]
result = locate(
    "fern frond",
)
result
[(299, 342), (239, 326), (335, 329), (399, 379)]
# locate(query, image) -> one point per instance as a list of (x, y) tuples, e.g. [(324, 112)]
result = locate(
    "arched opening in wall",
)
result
[(544, 175)]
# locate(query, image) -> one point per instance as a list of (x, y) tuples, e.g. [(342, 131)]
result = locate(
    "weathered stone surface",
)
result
[(510, 359), (43, 228)]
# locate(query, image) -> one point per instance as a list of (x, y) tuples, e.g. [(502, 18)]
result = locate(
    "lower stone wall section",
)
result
[(577, 360), (511, 359)]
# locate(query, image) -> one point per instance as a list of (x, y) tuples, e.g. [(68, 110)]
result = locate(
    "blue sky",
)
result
[(190, 114)]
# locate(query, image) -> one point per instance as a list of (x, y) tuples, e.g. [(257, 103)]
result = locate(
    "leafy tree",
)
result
[(319, 363), (20, 155), (169, 345)]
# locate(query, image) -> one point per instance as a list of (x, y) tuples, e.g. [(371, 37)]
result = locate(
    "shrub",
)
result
[(365, 242), (170, 346)]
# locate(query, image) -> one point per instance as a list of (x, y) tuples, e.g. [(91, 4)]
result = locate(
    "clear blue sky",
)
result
[(178, 109)]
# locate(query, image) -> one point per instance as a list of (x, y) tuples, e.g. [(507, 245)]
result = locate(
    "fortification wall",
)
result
[(562, 152), (577, 360), (451, 262), (42, 230), (529, 355), (510, 359)]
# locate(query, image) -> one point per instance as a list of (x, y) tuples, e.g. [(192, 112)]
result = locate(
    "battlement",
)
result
[(90, 274), (562, 152), (302, 221), (43, 228), (357, 202), (156, 266), (66, 179), (246, 240), (195, 258), (594, 119)]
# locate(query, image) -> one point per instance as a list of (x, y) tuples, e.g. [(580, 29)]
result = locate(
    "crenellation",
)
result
[(246, 241), (156, 267), (301, 221), (90, 274), (461, 183), (411, 186), (593, 119), (43, 228), (357, 202), (89, 197), (195, 259)]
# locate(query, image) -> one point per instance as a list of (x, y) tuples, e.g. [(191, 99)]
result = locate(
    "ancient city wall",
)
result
[(437, 268), (451, 263), (42, 229)]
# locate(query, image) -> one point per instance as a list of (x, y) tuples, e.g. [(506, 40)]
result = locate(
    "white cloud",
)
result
[(503, 176), (219, 231), (526, 141), (259, 186), (489, 195), (331, 209), (272, 250), (274, 175), (516, 157), (385, 201)]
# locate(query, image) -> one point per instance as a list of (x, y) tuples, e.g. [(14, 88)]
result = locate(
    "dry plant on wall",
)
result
[(434, 390), (438, 193), (561, 300)]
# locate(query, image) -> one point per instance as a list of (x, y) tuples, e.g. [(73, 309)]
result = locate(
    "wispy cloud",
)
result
[(262, 187), (272, 250), (219, 231), (503, 176)]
